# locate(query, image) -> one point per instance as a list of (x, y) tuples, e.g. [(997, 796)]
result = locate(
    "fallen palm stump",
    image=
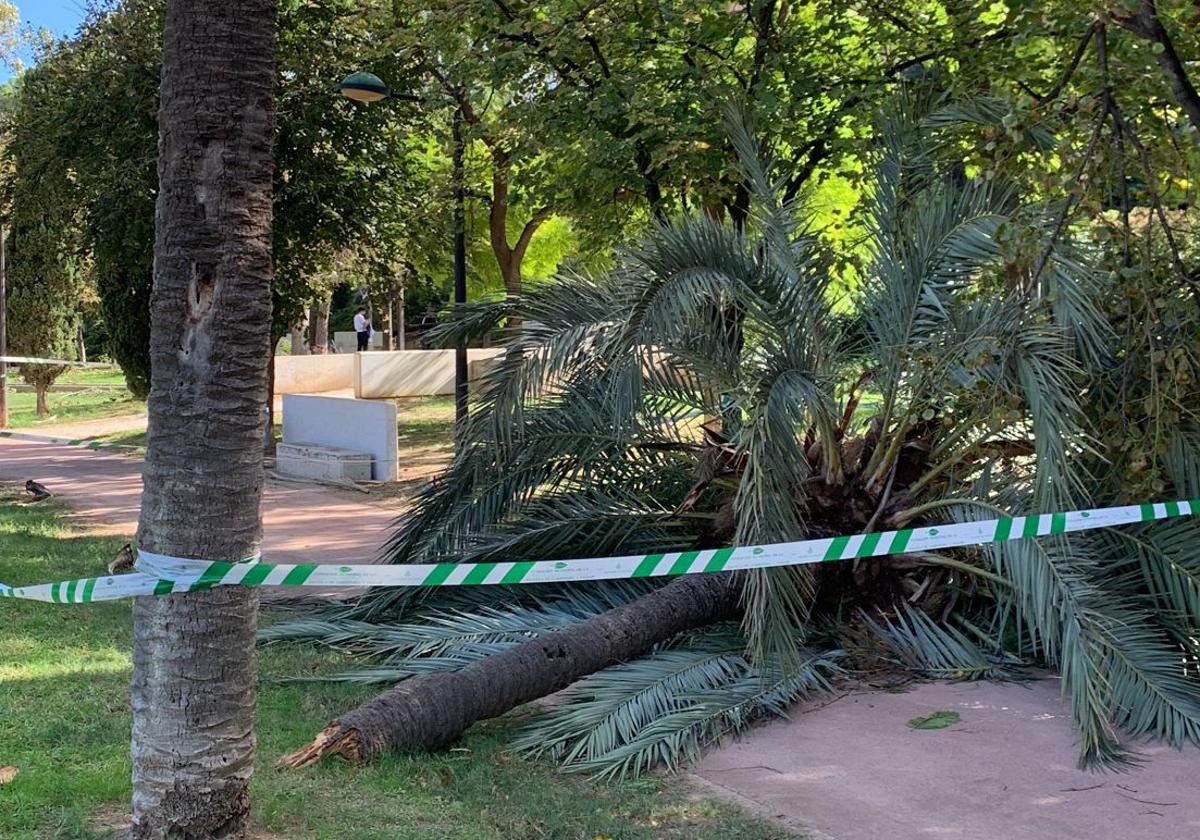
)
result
[(429, 712)]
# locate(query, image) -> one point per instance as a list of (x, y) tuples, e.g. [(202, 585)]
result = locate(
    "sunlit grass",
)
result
[(64, 723), (106, 397)]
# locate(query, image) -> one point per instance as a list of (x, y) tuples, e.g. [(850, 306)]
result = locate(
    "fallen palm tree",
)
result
[(954, 393), (432, 711)]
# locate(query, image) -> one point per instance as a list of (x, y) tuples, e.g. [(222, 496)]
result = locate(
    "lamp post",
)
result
[(367, 87)]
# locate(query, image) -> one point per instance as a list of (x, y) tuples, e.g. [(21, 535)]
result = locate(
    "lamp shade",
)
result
[(363, 87)]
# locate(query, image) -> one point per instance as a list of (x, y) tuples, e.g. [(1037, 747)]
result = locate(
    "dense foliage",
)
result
[(89, 113), (46, 263), (584, 123)]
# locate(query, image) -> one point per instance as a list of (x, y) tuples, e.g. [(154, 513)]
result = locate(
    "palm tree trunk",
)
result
[(193, 659), (429, 712)]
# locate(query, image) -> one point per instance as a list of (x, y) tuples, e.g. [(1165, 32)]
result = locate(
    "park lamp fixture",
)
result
[(364, 87), (367, 87)]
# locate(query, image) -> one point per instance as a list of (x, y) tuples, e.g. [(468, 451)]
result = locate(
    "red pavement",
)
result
[(300, 523)]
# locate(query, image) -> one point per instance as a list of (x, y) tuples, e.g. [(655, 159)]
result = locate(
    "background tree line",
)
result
[(584, 124)]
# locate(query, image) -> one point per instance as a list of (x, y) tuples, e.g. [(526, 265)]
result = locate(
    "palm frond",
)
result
[(988, 112), (1048, 377), (1183, 462), (1061, 611), (666, 707), (439, 640), (1151, 692), (919, 644)]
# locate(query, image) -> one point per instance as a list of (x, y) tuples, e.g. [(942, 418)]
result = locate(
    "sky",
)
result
[(61, 17)]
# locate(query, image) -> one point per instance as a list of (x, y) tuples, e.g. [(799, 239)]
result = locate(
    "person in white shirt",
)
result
[(362, 326)]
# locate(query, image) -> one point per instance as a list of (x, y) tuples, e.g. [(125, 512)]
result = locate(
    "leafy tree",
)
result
[(46, 273), (11, 39), (337, 174), (105, 113), (343, 173)]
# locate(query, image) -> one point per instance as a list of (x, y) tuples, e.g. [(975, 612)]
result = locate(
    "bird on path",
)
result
[(37, 490)]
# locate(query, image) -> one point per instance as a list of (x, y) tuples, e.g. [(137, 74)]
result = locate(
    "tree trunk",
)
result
[(299, 341), (43, 405), (429, 712), (1148, 25), (80, 347), (398, 306), (3, 326), (652, 188), (193, 660), (386, 323), (320, 326), (509, 257), (268, 441)]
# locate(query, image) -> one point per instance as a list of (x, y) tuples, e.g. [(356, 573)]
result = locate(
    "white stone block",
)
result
[(344, 423), (314, 374), (326, 463), (347, 341), (414, 373)]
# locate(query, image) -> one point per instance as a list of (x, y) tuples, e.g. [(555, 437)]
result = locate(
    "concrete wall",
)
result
[(414, 373), (313, 374), (347, 342), (358, 425)]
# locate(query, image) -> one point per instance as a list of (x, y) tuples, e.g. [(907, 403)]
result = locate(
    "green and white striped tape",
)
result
[(159, 575)]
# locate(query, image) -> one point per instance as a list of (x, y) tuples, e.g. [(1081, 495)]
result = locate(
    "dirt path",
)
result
[(301, 523), (853, 770)]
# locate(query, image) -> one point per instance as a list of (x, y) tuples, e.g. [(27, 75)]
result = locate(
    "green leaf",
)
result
[(935, 720)]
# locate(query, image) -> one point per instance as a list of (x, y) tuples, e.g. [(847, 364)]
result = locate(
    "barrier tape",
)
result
[(33, 360), (160, 575)]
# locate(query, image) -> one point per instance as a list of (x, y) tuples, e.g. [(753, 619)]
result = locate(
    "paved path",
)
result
[(301, 523), (853, 770)]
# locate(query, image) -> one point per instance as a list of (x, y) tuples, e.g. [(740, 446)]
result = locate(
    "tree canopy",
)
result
[(603, 117)]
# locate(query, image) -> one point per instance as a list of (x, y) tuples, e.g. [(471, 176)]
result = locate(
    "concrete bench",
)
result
[(354, 425), (326, 463)]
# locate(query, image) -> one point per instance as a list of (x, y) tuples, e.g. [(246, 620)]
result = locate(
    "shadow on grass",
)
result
[(64, 723)]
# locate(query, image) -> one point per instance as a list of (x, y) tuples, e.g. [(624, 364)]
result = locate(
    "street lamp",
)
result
[(367, 87), (364, 87)]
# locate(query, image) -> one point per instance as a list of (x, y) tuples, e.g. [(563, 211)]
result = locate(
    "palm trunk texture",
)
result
[(193, 660), (428, 712)]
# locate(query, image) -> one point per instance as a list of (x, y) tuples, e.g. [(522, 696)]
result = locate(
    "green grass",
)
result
[(132, 438), (109, 398), (64, 723), (108, 375), (425, 423)]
